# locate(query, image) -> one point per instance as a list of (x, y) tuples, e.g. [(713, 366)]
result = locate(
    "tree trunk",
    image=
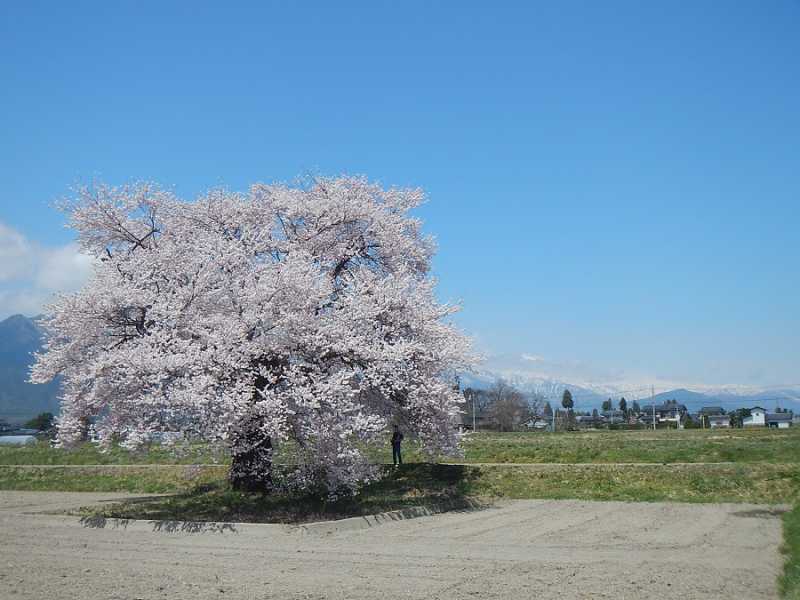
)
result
[(251, 457)]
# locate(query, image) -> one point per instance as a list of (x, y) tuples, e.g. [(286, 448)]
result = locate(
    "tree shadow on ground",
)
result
[(97, 521), (193, 527), (406, 492), (769, 512)]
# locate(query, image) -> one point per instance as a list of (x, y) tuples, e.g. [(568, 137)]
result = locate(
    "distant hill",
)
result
[(769, 399), (693, 400), (681, 395), (19, 400)]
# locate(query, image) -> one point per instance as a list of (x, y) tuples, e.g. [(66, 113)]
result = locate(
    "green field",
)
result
[(154, 478), (89, 454), (790, 581), (758, 483), (687, 466), (663, 446)]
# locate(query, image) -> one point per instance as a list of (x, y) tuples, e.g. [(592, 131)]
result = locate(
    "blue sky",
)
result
[(615, 186)]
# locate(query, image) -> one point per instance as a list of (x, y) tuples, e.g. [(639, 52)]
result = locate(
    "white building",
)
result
[(17, 440), (781, 420), (761, 418), (757, 418)]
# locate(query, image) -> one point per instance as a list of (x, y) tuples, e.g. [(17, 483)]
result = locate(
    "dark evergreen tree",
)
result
[(43, 422)]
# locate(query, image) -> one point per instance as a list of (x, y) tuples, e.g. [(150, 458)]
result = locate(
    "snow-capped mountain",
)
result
[(532, 375), (549, 389)]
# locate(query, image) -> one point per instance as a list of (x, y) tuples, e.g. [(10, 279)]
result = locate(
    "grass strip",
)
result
[(203, 494), (591, 447), (790, 580), (109, 478), (669, 446), (41, 453)]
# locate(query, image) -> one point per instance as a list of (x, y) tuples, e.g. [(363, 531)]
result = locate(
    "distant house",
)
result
[(538, 423), (647, 418), (715, 421), (757, 418), (17, 440), (668, 412), (464, 419), (589, 421), (710, 411), (713, 417), (613, 417), (781, 420), (26, 431)]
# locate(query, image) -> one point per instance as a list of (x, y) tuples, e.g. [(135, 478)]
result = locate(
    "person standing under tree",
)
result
[(397, 439)]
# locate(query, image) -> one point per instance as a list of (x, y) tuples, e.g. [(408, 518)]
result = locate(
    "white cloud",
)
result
[(15, 254), (31, 273), (63, 269), (26, 302), (533, 358)]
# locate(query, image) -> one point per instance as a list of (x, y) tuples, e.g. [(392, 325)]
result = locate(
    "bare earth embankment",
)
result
[(563, 549)]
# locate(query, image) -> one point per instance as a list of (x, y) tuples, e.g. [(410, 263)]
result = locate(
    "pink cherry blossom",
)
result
[(308, 312)]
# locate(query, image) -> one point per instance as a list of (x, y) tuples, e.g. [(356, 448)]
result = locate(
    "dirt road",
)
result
[(523, 549)]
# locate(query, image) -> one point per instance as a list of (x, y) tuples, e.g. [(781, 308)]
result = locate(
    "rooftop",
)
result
[(779, 416)]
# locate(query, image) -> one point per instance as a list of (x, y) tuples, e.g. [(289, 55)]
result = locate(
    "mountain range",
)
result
[(586, 396), (20, 400), (20, 336)]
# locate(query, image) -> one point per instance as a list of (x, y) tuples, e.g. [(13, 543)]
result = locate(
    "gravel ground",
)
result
[(522, 549)]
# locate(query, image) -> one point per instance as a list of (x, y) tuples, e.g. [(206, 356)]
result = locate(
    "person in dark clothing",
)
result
[(397, 439)]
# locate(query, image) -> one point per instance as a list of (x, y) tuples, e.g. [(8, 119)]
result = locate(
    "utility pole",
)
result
[(474, 424), (653, 404)]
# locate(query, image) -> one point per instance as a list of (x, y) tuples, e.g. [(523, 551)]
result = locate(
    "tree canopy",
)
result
[(304, 314)]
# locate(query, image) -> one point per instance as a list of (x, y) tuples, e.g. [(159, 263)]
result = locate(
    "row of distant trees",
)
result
[(623, 406), (503, 407), (42, 422)]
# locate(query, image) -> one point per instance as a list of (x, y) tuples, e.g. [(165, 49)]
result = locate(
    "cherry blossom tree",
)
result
[(302, 316)]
